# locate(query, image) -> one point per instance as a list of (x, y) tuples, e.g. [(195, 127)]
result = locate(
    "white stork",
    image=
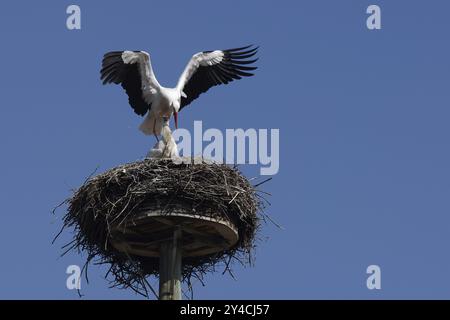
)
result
[(133, 70)]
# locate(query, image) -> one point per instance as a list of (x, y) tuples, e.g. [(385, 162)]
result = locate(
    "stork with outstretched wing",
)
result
[(133, 70)]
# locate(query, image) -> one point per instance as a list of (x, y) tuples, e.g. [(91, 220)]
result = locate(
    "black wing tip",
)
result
[(104, 79), (110, 65), (240, 56), (112, 54), (236, 60)]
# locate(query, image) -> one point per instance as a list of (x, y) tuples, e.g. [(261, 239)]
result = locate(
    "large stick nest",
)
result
[(116, 195)]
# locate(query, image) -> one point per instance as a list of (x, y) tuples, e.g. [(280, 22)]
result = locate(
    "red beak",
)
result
[(175, 116)]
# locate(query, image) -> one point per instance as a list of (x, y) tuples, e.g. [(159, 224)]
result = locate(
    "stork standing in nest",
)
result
[(133, 70)]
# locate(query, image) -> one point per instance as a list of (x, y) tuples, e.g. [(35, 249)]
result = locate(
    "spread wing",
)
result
[(133, 70), (210, 68)]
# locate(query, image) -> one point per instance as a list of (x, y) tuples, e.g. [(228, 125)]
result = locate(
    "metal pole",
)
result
[(170, 259)]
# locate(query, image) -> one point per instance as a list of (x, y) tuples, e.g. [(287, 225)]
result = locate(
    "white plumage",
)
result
[(133, 70)]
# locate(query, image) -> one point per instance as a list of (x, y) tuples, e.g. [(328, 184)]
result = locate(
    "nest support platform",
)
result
[(200, 235), (172, 238)]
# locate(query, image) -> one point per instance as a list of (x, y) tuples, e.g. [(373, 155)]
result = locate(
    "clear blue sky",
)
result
[(364, 125)]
